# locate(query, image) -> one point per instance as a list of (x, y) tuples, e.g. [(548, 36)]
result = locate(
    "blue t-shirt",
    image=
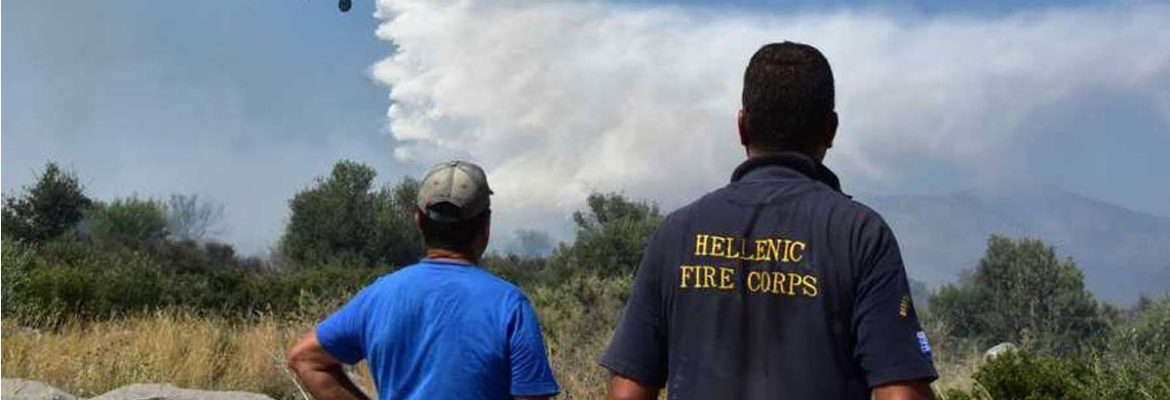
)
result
[(438, 330)]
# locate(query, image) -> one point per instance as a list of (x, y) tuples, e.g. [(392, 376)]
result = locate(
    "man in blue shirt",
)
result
[(440, 329)]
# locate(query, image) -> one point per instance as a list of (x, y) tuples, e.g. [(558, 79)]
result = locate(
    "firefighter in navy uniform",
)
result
[(778, 285)]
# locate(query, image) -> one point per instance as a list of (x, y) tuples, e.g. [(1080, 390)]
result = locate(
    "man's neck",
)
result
[(756, 152), (462, 257)]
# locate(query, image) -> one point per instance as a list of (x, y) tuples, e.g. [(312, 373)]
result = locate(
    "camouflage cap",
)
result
[(454, 191)]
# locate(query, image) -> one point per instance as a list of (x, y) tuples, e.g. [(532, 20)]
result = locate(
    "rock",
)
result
[(999, 350), (153, 391), (24, 389)]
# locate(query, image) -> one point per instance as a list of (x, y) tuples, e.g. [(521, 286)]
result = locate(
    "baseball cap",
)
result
[(454, 191)]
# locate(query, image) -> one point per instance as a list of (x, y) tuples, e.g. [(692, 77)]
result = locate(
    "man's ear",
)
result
[(486, 227), (418, 219), (831, 129), (742, 122)]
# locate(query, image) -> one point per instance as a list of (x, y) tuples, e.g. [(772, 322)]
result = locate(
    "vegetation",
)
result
[(99, 294), (1072, 347), (89, 358), (1021, 292), (342, 220), (126, 221), (48, 209), (1025, 375)]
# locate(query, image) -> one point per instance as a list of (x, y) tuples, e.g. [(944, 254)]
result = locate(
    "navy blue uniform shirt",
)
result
[(777, 286)]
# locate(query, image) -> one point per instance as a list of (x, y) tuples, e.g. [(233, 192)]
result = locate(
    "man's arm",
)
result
[(532, 377), (623, 388), (905, 390), (891, 347), (321, 374), (637, 354)]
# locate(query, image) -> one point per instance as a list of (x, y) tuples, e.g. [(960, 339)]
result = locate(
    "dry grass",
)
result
[(88, 359), (175, 347), (190, 351), (574, 361)]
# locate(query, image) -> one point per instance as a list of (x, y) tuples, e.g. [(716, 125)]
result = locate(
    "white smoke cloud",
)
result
[(559, 99)]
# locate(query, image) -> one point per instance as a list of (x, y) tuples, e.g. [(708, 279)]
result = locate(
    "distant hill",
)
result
[(1123, 252)]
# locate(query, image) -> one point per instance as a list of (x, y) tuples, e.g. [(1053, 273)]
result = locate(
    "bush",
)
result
[(14, 269), (1147, 335), (311, 289), (127, 221), (611, 236), (46, 210), (67, 277), (1016, 375), (1021, 292), (1024, 376), (342, 219), (89, 280)]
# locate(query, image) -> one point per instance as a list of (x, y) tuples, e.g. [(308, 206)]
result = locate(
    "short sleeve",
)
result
[(342, 333), (890, 344), (638, 348), (531, 374)]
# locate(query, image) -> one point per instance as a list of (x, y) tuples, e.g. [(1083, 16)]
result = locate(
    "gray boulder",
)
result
[(154, 391), (999, 350), (24, 389)]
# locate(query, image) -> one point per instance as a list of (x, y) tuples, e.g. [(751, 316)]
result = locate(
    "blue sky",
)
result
[(245, 102)]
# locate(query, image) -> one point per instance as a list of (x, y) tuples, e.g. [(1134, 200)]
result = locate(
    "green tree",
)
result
[(1021, 292), (1147, 335), (127, 221), (398, 235), (611, 236), (343, 220), (52, 206)]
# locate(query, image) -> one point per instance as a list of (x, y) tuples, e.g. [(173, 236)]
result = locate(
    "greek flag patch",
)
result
[(923, 344)]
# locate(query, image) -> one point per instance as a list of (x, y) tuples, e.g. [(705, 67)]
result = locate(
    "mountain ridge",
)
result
[(1123, 253)]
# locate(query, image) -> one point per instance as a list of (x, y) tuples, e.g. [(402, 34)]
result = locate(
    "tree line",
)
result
[(68, 256)]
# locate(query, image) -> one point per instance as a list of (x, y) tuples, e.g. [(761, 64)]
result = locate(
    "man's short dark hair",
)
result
[(788, 95), (455, 235)]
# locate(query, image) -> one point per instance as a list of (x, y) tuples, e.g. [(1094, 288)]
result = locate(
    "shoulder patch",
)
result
[(904, 306), (923, 344)]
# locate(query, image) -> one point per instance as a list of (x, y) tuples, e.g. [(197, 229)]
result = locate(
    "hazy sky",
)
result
[(245, 102)]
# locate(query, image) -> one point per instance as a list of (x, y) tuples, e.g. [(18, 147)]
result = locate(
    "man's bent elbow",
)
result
[(904, 390), (306, 355), (295, 359), (623, 388)]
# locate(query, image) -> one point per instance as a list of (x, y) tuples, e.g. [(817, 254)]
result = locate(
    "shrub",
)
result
[(311, 289), (1147, 335), (1021, 292), (67, 277), (48, 209), (127, 221), (342, 219), (14, 265), (611, 235), (89, 281), (1024, 376)]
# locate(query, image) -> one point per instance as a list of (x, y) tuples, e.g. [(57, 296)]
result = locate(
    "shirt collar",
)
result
[(799, 162), (448, 261)]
